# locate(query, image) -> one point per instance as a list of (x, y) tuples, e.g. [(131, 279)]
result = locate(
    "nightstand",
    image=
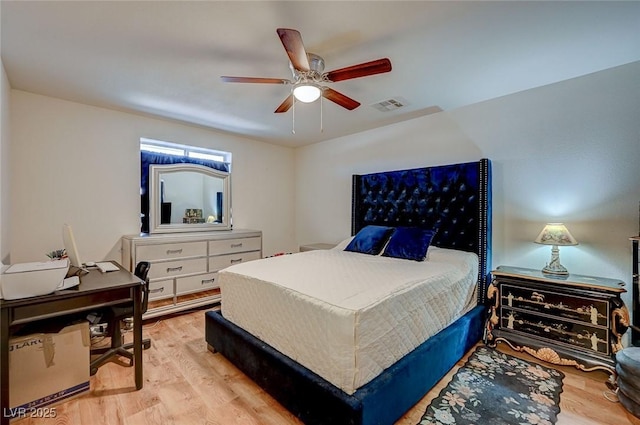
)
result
[(570, 320), (315, 246)]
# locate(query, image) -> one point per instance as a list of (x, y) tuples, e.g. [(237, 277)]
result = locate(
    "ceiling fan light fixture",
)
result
[(307, 92)]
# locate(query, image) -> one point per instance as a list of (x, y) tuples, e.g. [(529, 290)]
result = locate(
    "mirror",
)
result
[(188, 198)]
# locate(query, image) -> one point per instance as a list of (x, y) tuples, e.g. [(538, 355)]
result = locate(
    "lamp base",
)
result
[(561, 272), (554, 266)]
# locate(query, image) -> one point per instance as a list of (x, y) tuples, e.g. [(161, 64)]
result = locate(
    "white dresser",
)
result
[(184, 266)]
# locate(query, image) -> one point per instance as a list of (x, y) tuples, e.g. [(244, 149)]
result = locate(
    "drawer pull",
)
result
[(236, 245), (155, 291), (205, 281), (174, 251), (239, 260), (174, 269)]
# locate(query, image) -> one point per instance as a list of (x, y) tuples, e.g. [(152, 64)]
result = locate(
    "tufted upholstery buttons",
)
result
[(440, 198)]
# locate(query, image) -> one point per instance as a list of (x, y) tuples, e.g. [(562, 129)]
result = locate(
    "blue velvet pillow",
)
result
[(370, 239), (409, 243)]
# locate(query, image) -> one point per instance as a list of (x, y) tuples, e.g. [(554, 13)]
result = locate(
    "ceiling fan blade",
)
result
[(292, 42), (284, 106), (339, 98), (254, 80), (362, 70)]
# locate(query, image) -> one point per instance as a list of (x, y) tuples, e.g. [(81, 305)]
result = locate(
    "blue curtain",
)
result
[(148, 158)]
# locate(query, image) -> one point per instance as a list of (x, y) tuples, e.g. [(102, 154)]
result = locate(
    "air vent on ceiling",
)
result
[(390, 104)]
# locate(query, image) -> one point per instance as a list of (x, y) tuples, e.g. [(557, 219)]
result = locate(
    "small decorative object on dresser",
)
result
[(566, 320), (184, 266)]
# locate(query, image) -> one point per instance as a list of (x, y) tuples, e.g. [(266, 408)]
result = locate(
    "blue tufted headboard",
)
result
[(453, 199)]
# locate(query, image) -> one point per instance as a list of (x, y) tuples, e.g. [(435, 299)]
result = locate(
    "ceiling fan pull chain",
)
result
[(293, 114), (321, 126)]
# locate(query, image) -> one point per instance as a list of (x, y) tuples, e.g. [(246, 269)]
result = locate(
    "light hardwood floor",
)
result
[(184, 383)]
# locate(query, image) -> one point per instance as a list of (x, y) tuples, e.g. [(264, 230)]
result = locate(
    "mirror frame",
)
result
[(154, 199)]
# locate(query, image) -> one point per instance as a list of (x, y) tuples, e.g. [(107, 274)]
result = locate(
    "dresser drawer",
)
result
[(177, 268), (580, 308), (161, 289), (235, 245), (171, 251), (221, 261), (198, 283)]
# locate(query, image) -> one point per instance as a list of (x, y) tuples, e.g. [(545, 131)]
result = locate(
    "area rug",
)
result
[(498, 389)]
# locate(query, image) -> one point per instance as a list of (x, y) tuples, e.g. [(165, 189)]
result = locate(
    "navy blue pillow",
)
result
[(370, 239), (409, 243)]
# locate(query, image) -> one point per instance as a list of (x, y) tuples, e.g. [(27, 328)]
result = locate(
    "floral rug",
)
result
[(498, 389)]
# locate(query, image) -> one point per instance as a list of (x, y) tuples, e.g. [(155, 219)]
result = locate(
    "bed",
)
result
[(363, 380)]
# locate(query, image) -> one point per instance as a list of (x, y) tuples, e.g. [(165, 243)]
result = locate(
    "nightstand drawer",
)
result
[(584, 309), (555, 331)]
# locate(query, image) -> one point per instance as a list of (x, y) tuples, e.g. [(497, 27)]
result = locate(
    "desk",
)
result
[(96, 290)]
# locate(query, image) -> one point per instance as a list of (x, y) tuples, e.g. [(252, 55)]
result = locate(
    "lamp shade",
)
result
[(307, 92), (555, 234)]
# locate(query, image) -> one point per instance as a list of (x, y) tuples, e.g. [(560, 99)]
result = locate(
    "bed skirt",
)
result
[(315, 401)]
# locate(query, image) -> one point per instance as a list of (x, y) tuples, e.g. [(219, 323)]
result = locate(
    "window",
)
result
[(168, 148)]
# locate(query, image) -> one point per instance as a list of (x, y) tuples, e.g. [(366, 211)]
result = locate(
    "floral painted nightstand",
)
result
[(570, 320)]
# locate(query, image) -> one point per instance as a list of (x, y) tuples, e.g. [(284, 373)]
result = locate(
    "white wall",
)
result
[(565, 152), (81, 165), (5, 189)]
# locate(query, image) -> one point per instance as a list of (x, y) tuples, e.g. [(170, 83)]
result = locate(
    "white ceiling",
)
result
[(165, 58)]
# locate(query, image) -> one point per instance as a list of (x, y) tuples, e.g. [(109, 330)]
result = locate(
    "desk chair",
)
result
[(114, 316)]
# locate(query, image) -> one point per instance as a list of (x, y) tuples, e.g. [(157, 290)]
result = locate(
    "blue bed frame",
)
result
[(456, 200)]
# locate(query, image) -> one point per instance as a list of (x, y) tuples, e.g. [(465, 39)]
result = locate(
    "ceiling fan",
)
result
[(308, 74)]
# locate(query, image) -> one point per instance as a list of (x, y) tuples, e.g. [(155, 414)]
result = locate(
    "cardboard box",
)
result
[(47, 368)]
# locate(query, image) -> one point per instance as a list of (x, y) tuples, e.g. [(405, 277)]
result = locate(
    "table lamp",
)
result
[(555, 234)]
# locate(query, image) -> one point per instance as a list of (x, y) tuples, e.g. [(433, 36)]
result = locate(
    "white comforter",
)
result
[(344, 315)]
